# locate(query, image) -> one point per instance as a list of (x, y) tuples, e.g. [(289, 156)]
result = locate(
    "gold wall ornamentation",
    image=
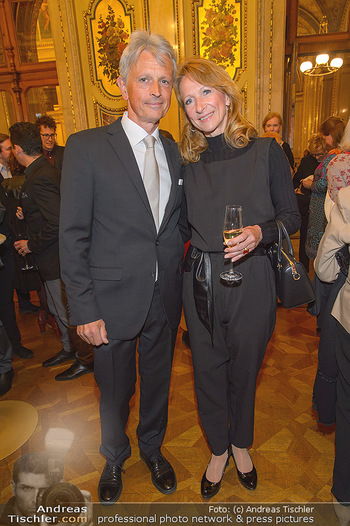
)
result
[(244, 92), (67, 67), (270, 54), (244, 48), (108, 25), (217, 27), (105, 115), (146, 20), (178, 30)]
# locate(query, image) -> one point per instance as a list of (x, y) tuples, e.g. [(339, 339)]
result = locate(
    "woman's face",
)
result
[(273, 125), (329, 140), (318, 153), (205, 107)]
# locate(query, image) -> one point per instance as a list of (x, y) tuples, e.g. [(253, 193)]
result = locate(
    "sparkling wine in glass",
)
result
[(232, 228), (28, 261)]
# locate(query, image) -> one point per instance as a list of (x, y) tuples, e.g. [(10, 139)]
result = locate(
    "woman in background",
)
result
[(305, 171), (332, 130), (273, 123), (229, 325), (324, 390)]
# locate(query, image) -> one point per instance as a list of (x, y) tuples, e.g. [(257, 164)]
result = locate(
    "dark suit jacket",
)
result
[(108, 240), (40, 200), (59, 153)]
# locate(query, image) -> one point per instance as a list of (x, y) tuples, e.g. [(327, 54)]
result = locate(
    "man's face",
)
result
[(5, 150), (148, 90), (48, 137), (26, 491)]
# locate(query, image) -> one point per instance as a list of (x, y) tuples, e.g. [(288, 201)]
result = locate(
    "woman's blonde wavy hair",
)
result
[(238, 130)]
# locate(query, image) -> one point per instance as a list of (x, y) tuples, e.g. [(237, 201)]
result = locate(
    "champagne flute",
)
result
[(28, 260), (232, 228)]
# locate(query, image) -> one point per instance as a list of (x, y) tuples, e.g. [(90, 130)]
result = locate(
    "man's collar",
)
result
[(31, 167), (134, 132)]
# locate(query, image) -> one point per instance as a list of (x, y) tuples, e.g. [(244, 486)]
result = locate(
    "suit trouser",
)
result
[(6, 353), (225, 373), (58, 306), (115, 373), (7, 306), (341, 472)]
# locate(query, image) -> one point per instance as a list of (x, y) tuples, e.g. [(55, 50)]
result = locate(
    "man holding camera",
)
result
[(29, 478)]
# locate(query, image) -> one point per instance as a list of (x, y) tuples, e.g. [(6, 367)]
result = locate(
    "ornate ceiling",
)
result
[(311, 13)]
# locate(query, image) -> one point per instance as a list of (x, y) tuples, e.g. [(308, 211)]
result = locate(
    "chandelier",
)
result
[(322, 66)]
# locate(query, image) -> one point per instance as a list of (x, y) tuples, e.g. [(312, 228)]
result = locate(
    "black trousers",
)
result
[(225, 373), (7, 306), (6, 353), (324, 390), (303, 205), (115, 374), (341, 472)]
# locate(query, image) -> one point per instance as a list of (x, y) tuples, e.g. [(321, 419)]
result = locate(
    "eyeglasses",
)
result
[(49, 135)]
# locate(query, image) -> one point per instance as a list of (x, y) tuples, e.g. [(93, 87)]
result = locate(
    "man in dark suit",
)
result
[(53, 153), (121, 258), (7, 284), (40, 205)]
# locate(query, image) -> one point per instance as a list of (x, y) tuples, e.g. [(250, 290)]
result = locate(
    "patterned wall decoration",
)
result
[(108, 25), (217, 32), (105, 116)]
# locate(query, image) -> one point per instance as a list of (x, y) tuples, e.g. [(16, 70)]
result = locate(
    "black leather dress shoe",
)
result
[(28, 308), (6, 381), (76, 369), (163, 475), (209, 489), (248, 480), (110, 485), (60, 357), (22, 352)]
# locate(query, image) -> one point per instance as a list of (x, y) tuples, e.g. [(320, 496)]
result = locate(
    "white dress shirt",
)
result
[(135, 135), (5, 172)]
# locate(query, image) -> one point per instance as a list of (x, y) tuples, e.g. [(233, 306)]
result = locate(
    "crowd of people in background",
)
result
[(216, 140)]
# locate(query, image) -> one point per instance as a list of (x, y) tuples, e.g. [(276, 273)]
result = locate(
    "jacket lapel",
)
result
[(121, 146), (174, 174)]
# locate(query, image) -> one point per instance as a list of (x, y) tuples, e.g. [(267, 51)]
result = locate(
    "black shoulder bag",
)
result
[(293, 285)]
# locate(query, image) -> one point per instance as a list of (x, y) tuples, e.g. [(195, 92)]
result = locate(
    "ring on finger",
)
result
[(246, 251)]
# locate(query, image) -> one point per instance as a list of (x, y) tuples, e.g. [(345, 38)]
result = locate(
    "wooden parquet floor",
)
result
[(293, 458)]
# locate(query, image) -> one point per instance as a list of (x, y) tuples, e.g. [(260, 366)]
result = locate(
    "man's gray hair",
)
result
[(140, 41)]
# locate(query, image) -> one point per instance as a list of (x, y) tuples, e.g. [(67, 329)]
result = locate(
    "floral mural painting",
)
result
[(108, 26), (112, 40), (220, 33)]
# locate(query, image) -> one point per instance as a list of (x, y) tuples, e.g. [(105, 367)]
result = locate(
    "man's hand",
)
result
[(241, 245), (22, 247), (94, 333)]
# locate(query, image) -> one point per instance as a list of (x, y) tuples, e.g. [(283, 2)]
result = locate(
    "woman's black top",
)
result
[(256, 176)]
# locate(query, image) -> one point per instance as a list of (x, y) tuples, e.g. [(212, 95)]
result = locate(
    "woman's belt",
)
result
[(200, 262)]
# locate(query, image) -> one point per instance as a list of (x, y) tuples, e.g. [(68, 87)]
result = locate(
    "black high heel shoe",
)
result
[(210, 489), (248, 480)]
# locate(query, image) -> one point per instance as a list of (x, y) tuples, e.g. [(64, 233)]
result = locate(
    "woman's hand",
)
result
[(19, 213), (244, 243)]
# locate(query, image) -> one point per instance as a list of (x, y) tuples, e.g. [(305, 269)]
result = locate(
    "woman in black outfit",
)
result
[(229, 326), (302, 184)]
